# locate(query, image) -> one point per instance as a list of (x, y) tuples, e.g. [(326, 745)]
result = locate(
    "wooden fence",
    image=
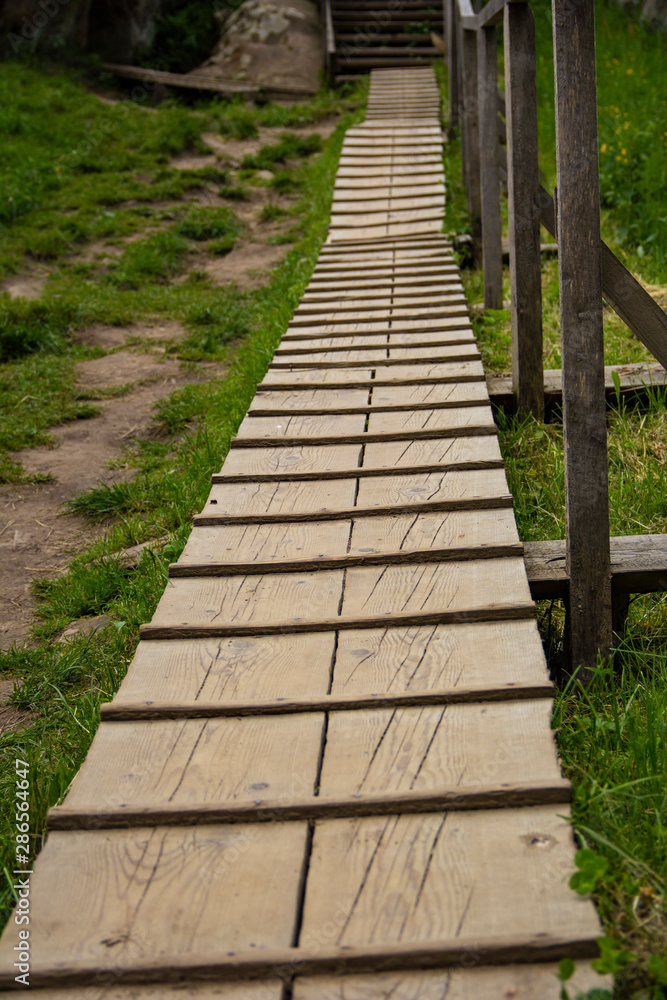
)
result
[(588, 270)]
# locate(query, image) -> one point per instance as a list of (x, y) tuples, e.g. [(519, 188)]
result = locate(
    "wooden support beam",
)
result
[(353, 513), (470, 137), (586, 477), (524, 211), (112, 711), (638, 566), (412, 556), (635, 382), (487, 88), (510, 796), (451, 35), (509, 612), (284, 964)]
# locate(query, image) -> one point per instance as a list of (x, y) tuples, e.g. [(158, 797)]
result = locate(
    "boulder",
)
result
[(269, 43)]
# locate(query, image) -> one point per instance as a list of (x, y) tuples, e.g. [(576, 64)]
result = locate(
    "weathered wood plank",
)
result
[(497, 612), (469, 797), (465, 982), (487, 88), (136, 891), (523, 206), (638, 566), (197, 762), (582, 343), (424, 878), (412, 749)]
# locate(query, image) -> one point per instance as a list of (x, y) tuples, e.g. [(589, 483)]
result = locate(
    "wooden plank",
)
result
[(638, 566), (470, 135), (197, 762), (456, 428), (465, 982), (413, 502), (424, 587), (152, 710), (458, 353), (466, 371), (523, 207), (231, 671), (428, 531), (401, 750), (635, 381), (420, 420), (332, 960), (327, 562), (283, 498), (332, 425), (499, 612), (266, 810), (468, 394), (582, 344), (262, 990), (309, 459), (311, 346), (487, 86), (435, 664), (137, 890), (252, 600), (424, 878)]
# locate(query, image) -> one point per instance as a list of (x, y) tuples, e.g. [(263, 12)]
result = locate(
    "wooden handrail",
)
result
[(589, 270)]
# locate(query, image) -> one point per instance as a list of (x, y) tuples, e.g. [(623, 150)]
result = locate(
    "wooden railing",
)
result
[(588, 269), (328, 41)]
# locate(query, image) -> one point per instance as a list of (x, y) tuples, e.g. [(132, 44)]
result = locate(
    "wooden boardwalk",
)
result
[(329, 773)]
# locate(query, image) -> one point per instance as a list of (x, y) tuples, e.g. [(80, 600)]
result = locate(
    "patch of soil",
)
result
[(188, 161), (36, 537), (246, 266), (110, 337), (10, 716), (28, 285), (123, 367)]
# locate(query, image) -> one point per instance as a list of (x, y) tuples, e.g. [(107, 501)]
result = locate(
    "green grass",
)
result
[(77, 173), (290, 147), (64, 684), (613, 737)]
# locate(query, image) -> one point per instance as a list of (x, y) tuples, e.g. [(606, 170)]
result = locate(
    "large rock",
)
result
[(270, 43)]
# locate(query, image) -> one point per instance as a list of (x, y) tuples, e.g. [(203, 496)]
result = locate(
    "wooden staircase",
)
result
[(369, 36)]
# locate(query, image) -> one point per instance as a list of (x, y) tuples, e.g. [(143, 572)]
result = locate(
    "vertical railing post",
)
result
[(584, 416), (452, 65), (470, 135), (487, 89), (524, 209)]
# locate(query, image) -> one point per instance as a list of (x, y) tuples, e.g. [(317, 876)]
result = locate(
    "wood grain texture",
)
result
[(487, 87), (584, 410), (193, 762), (154, 894), (229, 670), (262, 990), (438, 657), (424, 749), (467, 982), (524, 211), (424, 878)]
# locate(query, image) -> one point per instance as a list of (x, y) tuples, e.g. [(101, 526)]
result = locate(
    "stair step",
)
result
[(381, 39), (425, 53)]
